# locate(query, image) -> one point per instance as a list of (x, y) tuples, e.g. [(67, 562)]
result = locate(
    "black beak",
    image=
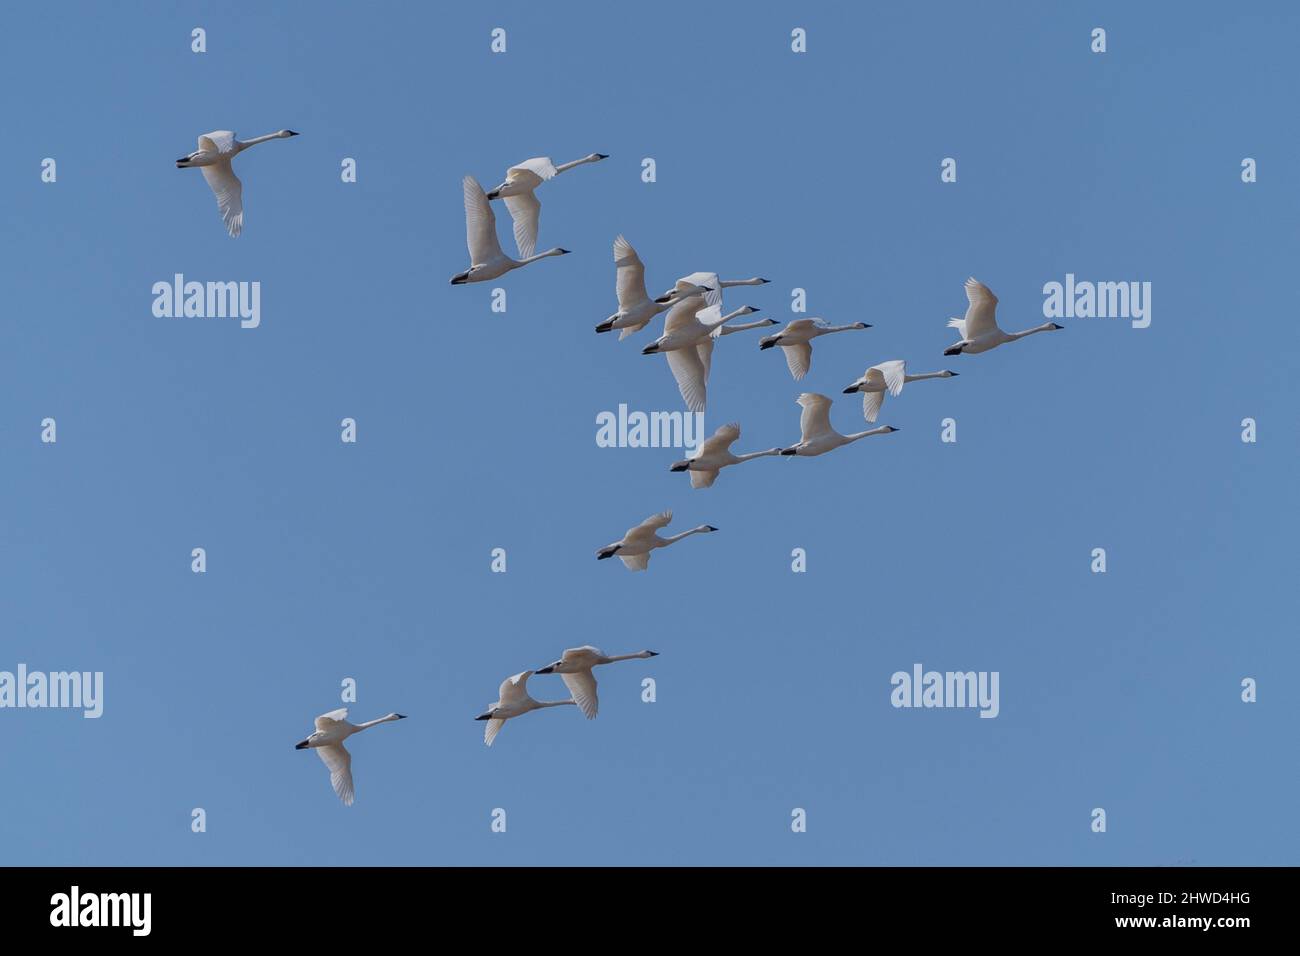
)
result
[(492, 194), (680, 466), (650, 349), (602, 155), (850, 390), (710, 527), (891, 428), (766, 344), (787, 451), (483, 717), (653, 653), (662, 299), (566, 252), (460, 279), (1057, 327), (401, 716), (549, 669), (952, 374), (300, 746)]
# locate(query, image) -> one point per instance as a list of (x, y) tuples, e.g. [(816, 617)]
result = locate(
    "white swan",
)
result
[(575, 665), (216, 150), (796, 341), (331, 730), (689, 331), (979, 330), (512, 701), (886, 377), (715, 454), (487, 261), (635, 307), (524, 207), (634, 548), (710, 279), (817, 437)]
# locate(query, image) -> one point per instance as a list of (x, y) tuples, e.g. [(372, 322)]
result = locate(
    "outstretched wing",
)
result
[(647, 528), (221, 141), (493, 728), (480, 224), (635, 562), (582, 687), (816, 416), (525, 210), (531, 172), (225, 185), (339, 763), (514, 689), (326, 721), (980, 313), (721, 440), (798, 358), (691, 375), (630, 284), (703, 479)]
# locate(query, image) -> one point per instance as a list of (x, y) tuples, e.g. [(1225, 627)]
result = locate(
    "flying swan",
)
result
[(886, 377), (635, 547), (524, 207), (715, 454), (575, 665), (635, 307), (331, 730), (796, 341), (487, 261), (817, 437), (979, 330), (216, 150), (512, 700)]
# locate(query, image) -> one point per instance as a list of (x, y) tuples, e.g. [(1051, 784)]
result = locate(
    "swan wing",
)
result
[(582, 687), (491, 730), (890, 374), (703, 479), (221, 141), (532, 172), (682, 314), (225, 185), (691, 376), (798, 358), (705, 351), (332, 719), (587, 653), (525, 209), (514, 689), (630, 285), (871, 402), (710, 279), (635, 562), (646, 529), (339, 763), (816, 416), (980, 313), (480, 224), (721, 440)]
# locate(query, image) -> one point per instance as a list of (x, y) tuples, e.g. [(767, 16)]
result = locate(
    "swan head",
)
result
[(286, 133), (1054, 326), (395, 717), (853, 388), (648, 654), (705, 528), (557, 251), (597, 157), (768, 341), (486, 715), (750, 310), (652, 348), (556, 668), (947, 374), (862, 325), (683, 465), (462, 278)]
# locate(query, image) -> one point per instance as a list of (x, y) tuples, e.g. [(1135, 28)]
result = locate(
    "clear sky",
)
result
[(477, 430)]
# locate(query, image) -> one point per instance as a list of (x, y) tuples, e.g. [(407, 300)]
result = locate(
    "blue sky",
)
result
[(476, 430)]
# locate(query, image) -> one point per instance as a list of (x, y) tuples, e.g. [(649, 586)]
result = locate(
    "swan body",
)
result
[(327, 740), (487, 261), (886, 377), (715, 454), (817, 436), (574, 667), (979, 330), (513, 700), (689, 331), (635, 307), (711, 278), (524, 207), (796, 341), (216, 150), (634, 548)]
